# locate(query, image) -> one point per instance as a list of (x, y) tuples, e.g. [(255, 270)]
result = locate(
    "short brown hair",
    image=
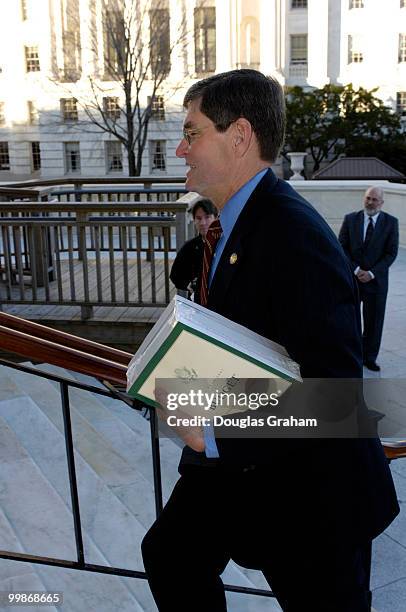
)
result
[(226, 97)]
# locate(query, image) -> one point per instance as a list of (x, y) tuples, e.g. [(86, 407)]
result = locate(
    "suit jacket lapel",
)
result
[(359, 230), (233, 253)]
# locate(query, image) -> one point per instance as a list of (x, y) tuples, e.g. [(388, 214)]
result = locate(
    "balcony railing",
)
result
[(89, 254)]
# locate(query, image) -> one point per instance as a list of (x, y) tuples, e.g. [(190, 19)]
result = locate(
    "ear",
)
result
[(242, 136)]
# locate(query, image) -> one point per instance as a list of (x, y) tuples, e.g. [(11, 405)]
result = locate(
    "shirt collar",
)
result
[(373, 217), (233, 207)]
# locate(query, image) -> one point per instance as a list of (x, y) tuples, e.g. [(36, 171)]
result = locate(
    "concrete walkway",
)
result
[(389, 551)]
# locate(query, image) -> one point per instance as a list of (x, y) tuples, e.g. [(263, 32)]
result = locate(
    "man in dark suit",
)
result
[(303, 511), (370, 239)]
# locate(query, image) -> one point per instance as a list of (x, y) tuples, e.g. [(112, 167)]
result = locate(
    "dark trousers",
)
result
[(212, 517), (373, 315)]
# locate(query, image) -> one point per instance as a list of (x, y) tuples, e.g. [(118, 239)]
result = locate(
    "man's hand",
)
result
[(192, 436), (364, 276)]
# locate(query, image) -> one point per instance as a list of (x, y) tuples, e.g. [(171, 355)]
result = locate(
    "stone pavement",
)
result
[(389, 550)]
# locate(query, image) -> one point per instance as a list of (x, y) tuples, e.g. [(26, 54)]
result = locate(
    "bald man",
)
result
[(370, 239)]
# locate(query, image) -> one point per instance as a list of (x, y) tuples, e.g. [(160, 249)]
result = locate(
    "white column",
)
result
[(223, 36), (268, 36), (317, 41)]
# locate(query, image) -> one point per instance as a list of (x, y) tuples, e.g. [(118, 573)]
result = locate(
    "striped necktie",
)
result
[(369, 232), (212, 237)]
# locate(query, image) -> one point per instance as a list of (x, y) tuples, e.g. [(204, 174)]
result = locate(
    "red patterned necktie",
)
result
[(212, 237)]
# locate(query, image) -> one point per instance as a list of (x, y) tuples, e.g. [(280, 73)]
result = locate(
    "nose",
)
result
[(182, 148)]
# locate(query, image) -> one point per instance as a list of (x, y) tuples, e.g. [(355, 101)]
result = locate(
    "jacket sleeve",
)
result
[(344, 239), (390, 251), (181, 270)]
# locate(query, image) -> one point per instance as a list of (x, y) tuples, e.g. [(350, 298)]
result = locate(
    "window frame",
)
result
[(354, 57), (160, 45), (69, 115), (401, 103), (402, 49), (153, 142), (114, 112), (204, 28), (356, 4), (111, 155), (68, 163), (4, 155), (35, 156), (32, 63), (298, 61), (157, 104)]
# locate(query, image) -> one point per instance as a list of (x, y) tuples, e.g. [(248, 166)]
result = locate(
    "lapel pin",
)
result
[(233, 258)]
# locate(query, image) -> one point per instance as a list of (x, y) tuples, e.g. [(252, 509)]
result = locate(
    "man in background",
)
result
[(370, 239), (186, 268)]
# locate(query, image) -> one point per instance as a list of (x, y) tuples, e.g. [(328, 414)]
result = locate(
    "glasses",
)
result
[(191, 134)]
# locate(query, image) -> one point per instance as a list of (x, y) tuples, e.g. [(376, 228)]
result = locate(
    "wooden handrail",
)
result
[(68, 340), (395, 450), (88, 207), (63, 356), (43, 343), (129, 180)]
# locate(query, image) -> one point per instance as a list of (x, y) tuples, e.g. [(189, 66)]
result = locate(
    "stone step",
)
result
[(33, 425), (126, 429), (112, 534), (16, 576)]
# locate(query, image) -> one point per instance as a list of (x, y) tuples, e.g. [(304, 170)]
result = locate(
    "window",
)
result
[(114, 157), (298, 49), (69, 109), (32, 59), (159, 42), (402, 48), (4, 156), (356, 4), (32, 113), (71, 40), (111, 107), (114, 38), (205, 39), (402, 3), (72, 157), (24, 10), (35, 156), (2, 116), (355, 53), (157, 107), (157, 156), (299, 4), (401, 103)]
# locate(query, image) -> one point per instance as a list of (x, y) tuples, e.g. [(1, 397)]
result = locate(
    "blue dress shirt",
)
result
[(228, 218)]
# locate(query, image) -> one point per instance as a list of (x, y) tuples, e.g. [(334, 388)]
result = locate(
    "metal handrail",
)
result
[(65, 383)]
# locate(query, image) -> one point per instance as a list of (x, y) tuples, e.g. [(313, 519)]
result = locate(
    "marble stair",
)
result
[(114, 472)]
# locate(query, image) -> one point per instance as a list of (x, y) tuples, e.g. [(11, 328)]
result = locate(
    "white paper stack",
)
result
[(190, 342)]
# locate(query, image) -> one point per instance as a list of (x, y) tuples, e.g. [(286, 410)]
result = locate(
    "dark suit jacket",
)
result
[(292, 283), (381, 251), (187, 265)]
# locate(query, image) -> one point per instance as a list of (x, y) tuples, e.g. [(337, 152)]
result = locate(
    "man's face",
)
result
[(372, 201), (208, 155), (202, 221)]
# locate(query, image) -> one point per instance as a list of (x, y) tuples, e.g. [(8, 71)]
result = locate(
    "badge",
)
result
[(233, 258)]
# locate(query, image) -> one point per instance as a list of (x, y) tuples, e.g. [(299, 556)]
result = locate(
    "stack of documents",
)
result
[(193, 345)]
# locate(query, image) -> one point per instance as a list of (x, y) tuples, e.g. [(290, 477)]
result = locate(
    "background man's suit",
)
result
[(376, 257), (274, 504)]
